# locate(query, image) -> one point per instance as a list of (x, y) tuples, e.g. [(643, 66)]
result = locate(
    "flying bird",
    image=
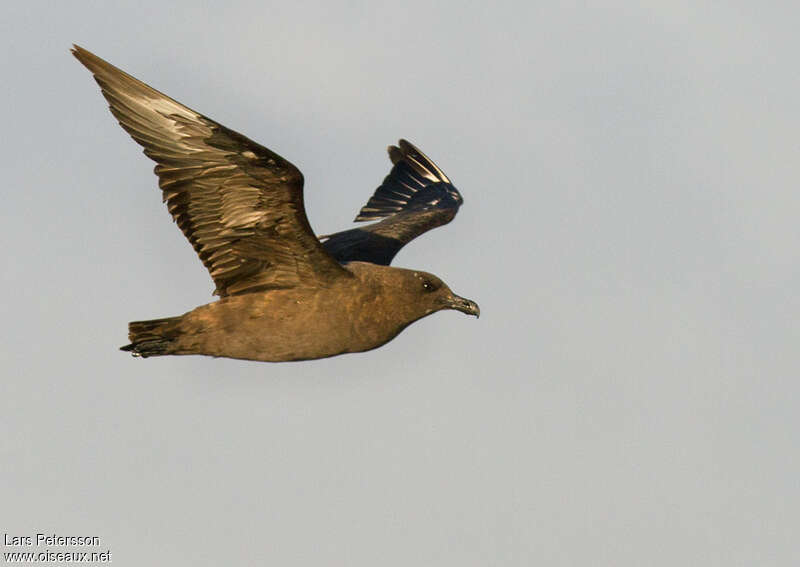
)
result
[(284, 294)]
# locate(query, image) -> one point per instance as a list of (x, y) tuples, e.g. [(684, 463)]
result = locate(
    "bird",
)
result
[(283, 293)]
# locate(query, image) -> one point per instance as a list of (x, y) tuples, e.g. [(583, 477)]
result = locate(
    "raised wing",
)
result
[(238, 203), (415, 197)]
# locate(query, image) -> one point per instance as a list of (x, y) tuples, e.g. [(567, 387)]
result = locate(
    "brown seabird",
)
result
[(284, 295)]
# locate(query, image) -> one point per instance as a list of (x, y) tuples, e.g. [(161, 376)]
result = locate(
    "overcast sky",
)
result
[(630, 230)]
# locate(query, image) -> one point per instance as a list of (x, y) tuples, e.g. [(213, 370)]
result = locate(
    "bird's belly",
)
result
[(276, 327)]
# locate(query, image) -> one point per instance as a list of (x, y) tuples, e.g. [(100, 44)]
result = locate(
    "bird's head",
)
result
[(433, 294), (412, 293)]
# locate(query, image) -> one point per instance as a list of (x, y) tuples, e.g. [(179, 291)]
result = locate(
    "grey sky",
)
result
[(630, 230)]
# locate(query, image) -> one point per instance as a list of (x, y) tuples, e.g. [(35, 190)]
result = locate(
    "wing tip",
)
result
[(95, 64), (81, 54), (422, 164), (413, 171)]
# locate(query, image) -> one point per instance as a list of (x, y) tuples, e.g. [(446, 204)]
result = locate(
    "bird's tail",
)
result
[(155, 337)]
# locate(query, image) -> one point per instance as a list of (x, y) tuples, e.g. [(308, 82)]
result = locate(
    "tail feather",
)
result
[(152, 338)]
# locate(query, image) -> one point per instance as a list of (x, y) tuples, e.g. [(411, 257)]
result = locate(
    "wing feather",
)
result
[(415, 197), (239, 204), (415, 183)]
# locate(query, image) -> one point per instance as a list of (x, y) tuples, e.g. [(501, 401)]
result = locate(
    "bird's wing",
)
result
[(415, 197), (238, 203), (415, 183)]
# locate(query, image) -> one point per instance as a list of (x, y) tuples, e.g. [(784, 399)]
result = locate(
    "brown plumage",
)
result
[(282, 295)]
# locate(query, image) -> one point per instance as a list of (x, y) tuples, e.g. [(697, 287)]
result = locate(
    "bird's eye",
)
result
[(428, 286)]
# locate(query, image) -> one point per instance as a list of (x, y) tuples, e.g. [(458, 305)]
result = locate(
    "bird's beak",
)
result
[(464, 305)]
